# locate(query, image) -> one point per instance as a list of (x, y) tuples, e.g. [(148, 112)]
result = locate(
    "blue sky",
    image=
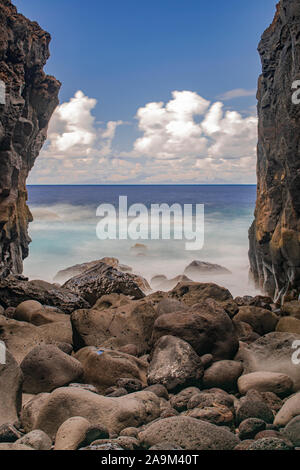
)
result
[(127, 54)]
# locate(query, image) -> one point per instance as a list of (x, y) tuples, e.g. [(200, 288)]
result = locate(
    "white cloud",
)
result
[(236, 93), (186, 140)]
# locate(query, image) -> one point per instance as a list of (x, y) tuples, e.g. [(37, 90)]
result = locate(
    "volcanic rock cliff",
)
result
[(275, 234), (30, 99)]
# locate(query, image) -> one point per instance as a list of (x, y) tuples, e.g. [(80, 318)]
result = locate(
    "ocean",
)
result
[(64, 231)]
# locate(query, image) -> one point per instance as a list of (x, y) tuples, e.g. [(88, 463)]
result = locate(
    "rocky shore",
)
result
[(98, 364)]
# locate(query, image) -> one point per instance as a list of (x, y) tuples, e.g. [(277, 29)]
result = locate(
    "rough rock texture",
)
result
[(274, 235), (31, 97), (11, 379)]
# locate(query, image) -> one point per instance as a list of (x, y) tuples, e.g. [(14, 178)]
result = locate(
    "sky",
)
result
[(153, 92)]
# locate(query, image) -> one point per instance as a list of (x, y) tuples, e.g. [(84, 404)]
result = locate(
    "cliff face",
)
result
[(30, 99), (275, 234)]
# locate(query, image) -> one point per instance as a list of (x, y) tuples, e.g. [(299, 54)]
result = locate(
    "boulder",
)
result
[(33, 312), (114, 414), (46, 367), (101, 280), (174, 364), (271, 353), (31, 410), (290, 410), (188, 433), (103, 367), (270, 443), (245, 332), (77, 432), (22, 337), (14, 446), (292, 431), (67, 273), (250, 427), (253, 406), (199, 268), (210, 398), (261, 320), (36, 439), (223, 374), (14, 291), (280, 384), (11, 379), (219, 415), (289, 325), (192, 293), (114, 324), (205, 326), (291, 309)]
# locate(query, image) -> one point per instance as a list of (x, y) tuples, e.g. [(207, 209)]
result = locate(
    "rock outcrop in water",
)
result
[(30, 99), (275, 233)]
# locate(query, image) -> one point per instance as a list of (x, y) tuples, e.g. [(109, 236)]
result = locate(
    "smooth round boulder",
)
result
[(103, 368), (223, 374), (77, 432), (25, 310), (262, 321), (46, 368), (290, 410), (174, 364), (291, 309), (289, 325), (292, 431), (188, 433), (280, 384)]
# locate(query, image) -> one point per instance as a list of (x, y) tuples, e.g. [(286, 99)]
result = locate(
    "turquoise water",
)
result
[(64, 230)]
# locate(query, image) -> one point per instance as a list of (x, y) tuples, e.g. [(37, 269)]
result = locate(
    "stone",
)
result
[(8, 433), (270, 443), (101, 280), (219, 415), (31, 410), (180, 401), (103, 368), (115, 392), (291, 309), (77, 432), (289, 325), (47, 367), (13, 292), (36, 439), (210, 398), (253, 406), (274, 236), (129, 432), (21, 337), (271, 353), (174, 364), (199, 268), (14, 446), (130, 349), (261, 320), (223, 374), (11, 379), (166, 446), (188, 433), (33, 312), (207, 360), (159, 390), (67, 273), (292, 431), (280, 384), (192, 293), (114, 414), (115, 322), (244, 445), (205, 326), (250, 427), (23, 127), (289, 410), (131, 385), (245, 332), (125, 442)]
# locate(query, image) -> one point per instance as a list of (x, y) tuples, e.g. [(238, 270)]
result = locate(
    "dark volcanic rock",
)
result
[(14, 291), (274, 235), (198, 268), (31, 98), (102, 279)]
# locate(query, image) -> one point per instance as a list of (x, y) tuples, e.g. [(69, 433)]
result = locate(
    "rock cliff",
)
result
[(275, 234), (28, 98)]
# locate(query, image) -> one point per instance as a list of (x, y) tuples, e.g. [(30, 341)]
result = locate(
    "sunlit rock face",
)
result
[(28, 98), (275, 233)]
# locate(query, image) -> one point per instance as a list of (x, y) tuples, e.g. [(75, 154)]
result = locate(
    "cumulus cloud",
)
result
[(185, 140)]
